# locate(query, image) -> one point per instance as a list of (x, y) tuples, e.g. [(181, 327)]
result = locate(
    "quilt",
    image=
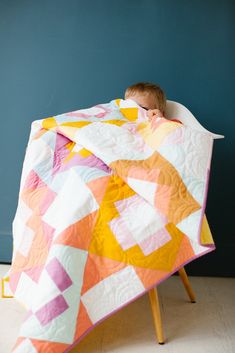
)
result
[(109, 206)]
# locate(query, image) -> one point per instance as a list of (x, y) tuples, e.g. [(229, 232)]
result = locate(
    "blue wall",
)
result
[(59, 55)]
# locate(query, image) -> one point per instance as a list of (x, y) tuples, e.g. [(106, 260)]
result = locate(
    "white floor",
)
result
[(207, 326)]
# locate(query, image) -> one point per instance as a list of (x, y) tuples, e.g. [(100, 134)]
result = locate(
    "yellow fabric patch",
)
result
[(130, 113), (155, 138), (117, 122), (68, 131), (117, 101), (159, 260), (84, 152), (172, 197), (70, 145), (206, 236), (49, 123), (142, 126), (69, 156), (76, 124)]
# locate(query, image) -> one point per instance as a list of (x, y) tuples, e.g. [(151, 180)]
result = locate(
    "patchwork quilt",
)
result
[(110, 205)]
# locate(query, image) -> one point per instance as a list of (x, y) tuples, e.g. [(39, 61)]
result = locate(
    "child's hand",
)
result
[(154, 113)]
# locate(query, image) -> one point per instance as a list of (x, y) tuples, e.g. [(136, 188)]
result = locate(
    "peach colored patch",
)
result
[(32, 197), (38, 134), (34, 273), (97, 268), (91, 275), (78, 234), (14, 278), (162, 198), (185, 252), (148, 277), (18, 342), (98, 187), (83, 322), (155, 123), (47, 346), (47, 200), (143, 174), (39, 246), (149, 168), (180, 203)]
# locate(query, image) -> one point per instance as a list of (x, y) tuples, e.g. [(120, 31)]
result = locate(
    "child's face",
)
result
[(145, 100)]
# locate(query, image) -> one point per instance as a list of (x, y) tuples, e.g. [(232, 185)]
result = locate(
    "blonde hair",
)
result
[(150, 88)]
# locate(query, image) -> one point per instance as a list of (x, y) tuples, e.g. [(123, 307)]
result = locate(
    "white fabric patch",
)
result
[(27, 240), (59, 180), (91, 111), (22, 215), (190, 224), (26, 290), (191, 159), (111, 293), (146, 189), (142, 219), (25, 347), (73, 202), (111, 143), (73, 260), (39, 157)]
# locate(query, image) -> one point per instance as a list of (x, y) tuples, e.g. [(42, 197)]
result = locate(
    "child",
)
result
[(150, 97)]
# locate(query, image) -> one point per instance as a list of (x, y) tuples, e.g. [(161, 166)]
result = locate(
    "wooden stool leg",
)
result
[(154, 301), (187, 285)]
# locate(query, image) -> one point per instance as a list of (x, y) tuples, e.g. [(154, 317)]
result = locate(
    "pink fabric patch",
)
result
[(144, 174), (48, 233), (28, 315), (155, 123), (155, 241), (60, 152), (58, 274), (175, 137), (122, 233), (51, 310), (33, 181), (90, 161), (47, 201), (129, 202)]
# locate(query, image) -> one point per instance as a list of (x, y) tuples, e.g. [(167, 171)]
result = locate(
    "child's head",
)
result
[(147, 95)]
